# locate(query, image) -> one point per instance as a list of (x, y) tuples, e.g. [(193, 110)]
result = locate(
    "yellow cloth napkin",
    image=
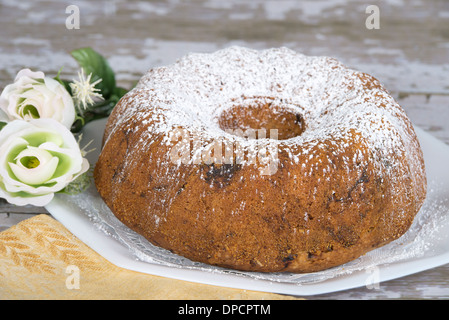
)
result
[(41, 259)]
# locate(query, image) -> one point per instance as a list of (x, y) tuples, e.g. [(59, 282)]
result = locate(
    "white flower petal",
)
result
[(6, 148), (48, 97), (68, 112), (20, 200), (45, 169), (3, 116), (35, 176), (58, 152), (30, 74)]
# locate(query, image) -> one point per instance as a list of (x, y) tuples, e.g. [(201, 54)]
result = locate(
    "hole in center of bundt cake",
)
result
[(262, 119)]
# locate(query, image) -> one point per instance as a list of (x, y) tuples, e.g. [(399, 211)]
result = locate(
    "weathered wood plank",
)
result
[(9, 208)]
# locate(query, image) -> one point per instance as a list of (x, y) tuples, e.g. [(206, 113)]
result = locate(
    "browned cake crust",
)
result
[(345, 176)]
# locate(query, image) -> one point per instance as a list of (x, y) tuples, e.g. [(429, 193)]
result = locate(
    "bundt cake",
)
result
[(268, 161)]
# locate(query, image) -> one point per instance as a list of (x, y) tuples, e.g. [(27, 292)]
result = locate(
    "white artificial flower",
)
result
[(35, 96), (84, 92), (38, 158)]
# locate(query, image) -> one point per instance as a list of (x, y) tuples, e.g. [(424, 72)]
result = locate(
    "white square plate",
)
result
[(424, 246)]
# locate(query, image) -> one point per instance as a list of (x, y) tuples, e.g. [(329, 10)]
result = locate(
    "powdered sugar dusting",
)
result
[(335, 102)]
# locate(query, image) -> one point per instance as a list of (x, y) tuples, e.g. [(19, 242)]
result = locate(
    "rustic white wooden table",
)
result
[(409, 53)]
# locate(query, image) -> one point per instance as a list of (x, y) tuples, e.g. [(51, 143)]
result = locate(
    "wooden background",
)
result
[(409, 54)]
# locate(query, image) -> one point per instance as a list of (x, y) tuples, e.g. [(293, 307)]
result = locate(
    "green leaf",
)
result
[(93, 62)]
